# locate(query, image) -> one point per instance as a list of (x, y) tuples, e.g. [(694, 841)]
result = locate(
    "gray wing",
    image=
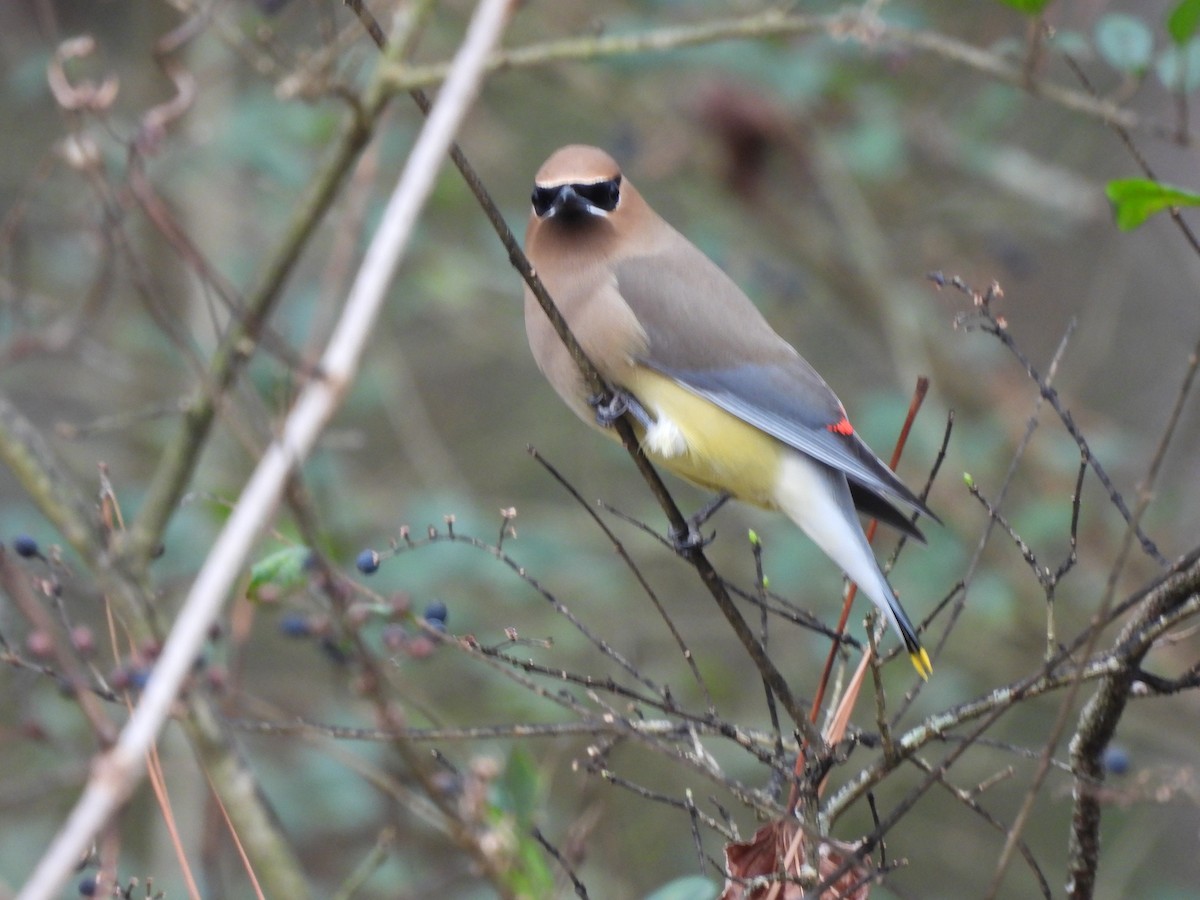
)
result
[(725, 351)]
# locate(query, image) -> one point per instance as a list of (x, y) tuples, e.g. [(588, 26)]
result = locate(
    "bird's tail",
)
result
[(817, 498), (920, 659)]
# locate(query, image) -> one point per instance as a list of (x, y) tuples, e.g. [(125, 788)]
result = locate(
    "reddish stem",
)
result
[(913, 408)]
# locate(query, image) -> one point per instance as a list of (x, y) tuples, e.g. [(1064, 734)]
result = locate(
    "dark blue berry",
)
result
[(1116, 760), (436, 611), (437, 625), (26, 546), (138, 677), (87, 886), (295, 625), (367, 562), (335, 651)]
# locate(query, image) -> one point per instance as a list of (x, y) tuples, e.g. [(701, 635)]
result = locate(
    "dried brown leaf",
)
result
[(771, 865)]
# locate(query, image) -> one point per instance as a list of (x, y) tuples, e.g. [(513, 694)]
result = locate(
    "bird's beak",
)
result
[(568, 203)]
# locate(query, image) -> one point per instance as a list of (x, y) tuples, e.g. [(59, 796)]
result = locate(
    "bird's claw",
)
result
[(686, 540), (692, 538), (621, 402)]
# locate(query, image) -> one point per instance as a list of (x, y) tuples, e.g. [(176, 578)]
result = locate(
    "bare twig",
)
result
[(602, 645), (624, 428), (687, 654), (580, 890), (1057, 673), (74, 679), (967, 799), (1098, 721), (850, 24), (118, 770)]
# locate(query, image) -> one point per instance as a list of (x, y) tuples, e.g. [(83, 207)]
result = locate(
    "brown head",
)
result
[(576, 183), (585, 218), (581, 200)]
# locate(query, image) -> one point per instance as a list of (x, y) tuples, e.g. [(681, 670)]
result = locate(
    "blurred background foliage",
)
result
[(826, 177)]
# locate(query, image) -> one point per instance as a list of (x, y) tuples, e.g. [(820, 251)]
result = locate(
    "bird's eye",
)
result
[(603, 195), (579, 200), (543, 199)]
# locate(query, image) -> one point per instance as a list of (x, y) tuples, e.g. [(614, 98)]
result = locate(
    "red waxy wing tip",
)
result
[(842, 426)]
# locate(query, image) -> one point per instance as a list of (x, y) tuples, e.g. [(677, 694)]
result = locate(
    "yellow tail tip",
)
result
[(920, 661)]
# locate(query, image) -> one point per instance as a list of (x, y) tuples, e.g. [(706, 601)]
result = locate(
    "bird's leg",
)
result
[(709, 509), (693, 537), (621, 402), (607, 414)]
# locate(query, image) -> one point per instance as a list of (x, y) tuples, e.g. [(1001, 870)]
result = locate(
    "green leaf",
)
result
[(690, 887), (284, 569), (1183, 21), (1135, 200), (1029, 7), (1179, 68), (514, 799), (530, 875), (519, 788), (1125, 42)]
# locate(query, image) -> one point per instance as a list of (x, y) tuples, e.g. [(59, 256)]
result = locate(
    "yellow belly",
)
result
[(718, 450)]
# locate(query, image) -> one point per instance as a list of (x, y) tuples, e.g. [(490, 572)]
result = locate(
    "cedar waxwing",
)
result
[(718, 397)]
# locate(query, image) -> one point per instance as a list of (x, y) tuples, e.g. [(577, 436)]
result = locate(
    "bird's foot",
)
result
[(686, 540), (692, 538), (608, 410)]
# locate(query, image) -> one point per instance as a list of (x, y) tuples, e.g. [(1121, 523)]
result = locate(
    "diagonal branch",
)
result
[(1098, 721), (624, 428), (182, 454), (117, 772)]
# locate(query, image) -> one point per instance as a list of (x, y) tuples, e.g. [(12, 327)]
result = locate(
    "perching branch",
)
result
[(624, 429)]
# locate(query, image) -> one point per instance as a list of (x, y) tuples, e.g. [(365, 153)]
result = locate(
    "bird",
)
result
[(717, 396)]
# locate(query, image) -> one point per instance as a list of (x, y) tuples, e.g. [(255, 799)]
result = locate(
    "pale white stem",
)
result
[(115, 773)]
